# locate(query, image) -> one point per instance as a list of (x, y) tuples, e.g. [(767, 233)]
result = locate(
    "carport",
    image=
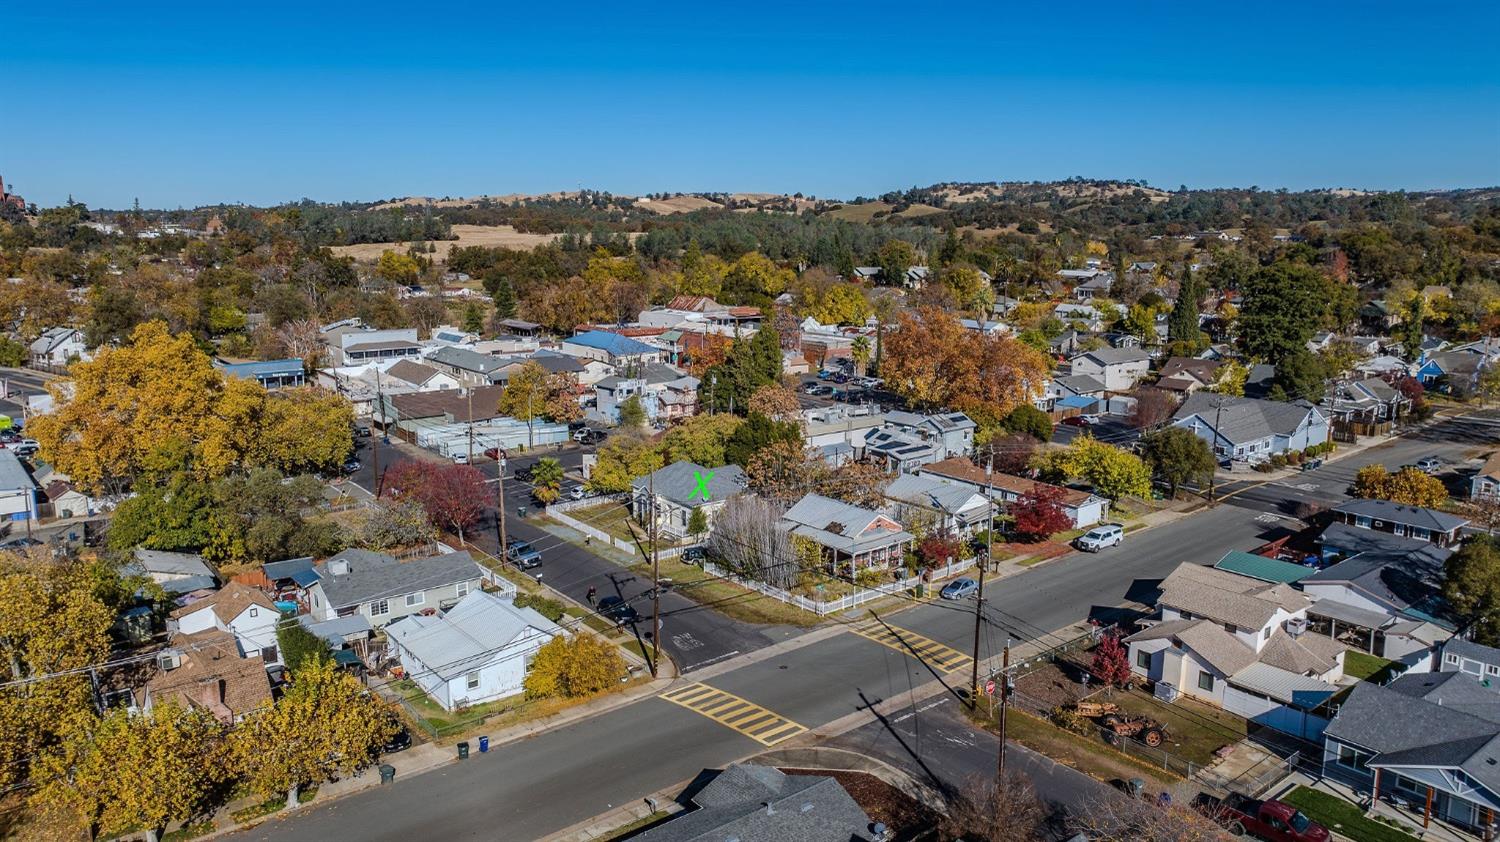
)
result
[(1355, 627)]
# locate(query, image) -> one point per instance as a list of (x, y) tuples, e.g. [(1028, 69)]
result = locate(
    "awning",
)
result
[(1353, 615)]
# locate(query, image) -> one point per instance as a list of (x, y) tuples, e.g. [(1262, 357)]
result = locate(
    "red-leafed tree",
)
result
[(1111, 662), (454, 496), (1040, 514), (939, 549)]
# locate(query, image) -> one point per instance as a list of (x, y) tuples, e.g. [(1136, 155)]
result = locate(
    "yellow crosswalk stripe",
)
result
[(731, 711), (908, 642)]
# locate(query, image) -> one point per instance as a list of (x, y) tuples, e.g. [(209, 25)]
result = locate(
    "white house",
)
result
[(383, 589), (1081, 507), (17, 489), (1486, 483), (851, 537), (1119, 369), (57, 346), (1240, 643), (239, 609), (682, 488), (952, 507), (477, 652)]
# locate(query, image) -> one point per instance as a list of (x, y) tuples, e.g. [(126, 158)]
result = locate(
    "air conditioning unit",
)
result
[(169, 659), (1296, 626)]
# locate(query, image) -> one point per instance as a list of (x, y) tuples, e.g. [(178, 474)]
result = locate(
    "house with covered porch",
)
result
[(852, 538), (1426, 742)]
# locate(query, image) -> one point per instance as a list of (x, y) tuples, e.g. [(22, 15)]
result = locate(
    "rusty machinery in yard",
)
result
[(1120, 724)]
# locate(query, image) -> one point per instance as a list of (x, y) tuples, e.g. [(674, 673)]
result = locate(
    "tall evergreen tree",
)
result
[(1182, 324), (505, 300)]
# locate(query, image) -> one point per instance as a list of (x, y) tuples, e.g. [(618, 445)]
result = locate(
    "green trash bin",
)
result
[(921, 589), (387, 773), (463, 750)]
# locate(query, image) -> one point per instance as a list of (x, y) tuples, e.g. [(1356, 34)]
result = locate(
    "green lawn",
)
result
[(610, 518), (1343, 818), (1085, 754), (1194, 730), (728, 597), (1363, 666)]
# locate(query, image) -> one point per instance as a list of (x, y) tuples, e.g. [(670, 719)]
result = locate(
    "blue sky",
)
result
[(185, 104)]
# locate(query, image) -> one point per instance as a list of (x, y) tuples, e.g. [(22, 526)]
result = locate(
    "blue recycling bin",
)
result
[(484, 744)]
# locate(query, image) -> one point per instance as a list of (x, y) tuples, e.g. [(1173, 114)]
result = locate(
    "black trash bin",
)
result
[(463, 750), (387, 773)]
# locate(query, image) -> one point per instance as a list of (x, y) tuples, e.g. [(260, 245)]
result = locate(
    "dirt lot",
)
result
[(468, 235)]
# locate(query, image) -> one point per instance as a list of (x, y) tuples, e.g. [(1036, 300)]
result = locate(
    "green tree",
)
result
[(1182, 322), (1471, 584), (859, 350), (126, 772), (697, 525), (325, 725), (1283, 305), (843, 304), (757, 433), (1231, 380), (505, 300), (632, 413), (1177, 456), (546, 480), (473, 319), (1027, 420), (1300, 375), (572, 667), (299, 646), (896, 256), (751, 363), (12, 353), (1112, 472)]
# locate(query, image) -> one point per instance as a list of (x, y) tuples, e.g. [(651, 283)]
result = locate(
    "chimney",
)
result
[(770, 811)]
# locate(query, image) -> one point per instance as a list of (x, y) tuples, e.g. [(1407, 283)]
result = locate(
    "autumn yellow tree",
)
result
[(700, 439), (398, 268), (126, 772), (621, 460), (570, 667), (533, 393), (53, 624), (1408, 486), (157, 405), (776, 402), (325, 725)]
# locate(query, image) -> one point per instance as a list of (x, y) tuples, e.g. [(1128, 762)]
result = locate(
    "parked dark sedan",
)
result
[(618, 610), (400, 741)]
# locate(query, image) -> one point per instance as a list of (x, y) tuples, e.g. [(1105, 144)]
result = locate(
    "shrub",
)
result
[(1278, 461), (571, 667), (549, 608), (1070, 720)]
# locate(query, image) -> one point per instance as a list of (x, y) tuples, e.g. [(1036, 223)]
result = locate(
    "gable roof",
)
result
[(1410, 723), (213, 676), (1400, 513), (1115, 356), (1242, 420), (929, 491), (1227, 597), (836, 524), (472, 634), (1203, 371), (964, 470), (229, 602), (1405, 574), (1272, 570), (466, 360), (379, 576), (611, 343), (412, 372), (678, 483)]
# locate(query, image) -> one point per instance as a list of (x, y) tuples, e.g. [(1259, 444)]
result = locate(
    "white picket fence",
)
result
[(558, 512), (832, 606)]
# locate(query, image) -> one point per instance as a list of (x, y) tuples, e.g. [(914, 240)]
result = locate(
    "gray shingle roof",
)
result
[(1115, 356), (1397, 513), (13, 474), (463, 358), (1403, 573), (1243, 420), (803, 808), (1227, 597), (376, 576), (836, 524), (678, 483)]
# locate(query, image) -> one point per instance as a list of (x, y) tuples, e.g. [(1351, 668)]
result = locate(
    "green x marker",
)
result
[(702, 479)]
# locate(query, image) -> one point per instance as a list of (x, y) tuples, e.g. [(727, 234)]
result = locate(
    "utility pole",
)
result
[(984, 564), (500, 500), (1004, 690), (1213, 480), (471, 426), (655, 579), (375, 443)]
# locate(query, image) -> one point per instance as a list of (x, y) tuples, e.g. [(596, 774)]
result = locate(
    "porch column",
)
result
[(1375, 791), (1427, 811)]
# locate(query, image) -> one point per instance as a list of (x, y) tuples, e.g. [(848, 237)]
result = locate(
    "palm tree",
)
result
[(860, 350), (546, 480)]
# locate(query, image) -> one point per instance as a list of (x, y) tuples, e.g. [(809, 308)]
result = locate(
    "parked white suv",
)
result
[(1101, 536)]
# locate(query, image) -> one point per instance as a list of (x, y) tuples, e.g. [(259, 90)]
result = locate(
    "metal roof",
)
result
[(1262, 568), (1288, 687), (474, 633)]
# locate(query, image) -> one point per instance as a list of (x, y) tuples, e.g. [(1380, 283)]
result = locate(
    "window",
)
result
[(380, 608), (1143, 659), (268, 654), (1424, 534), (471, 681), (462, 589), (1409, 786), (1352, 758), (1452, 659), (316, 601), (1266, 635), (1398, 529), (1362, 521), (254, 611), (415, 599), (1231, 628), (1491, 669), (1205, 680)]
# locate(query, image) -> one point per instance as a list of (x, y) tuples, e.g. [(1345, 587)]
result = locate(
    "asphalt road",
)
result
[(564, 776), (693, 635), (558, 778)]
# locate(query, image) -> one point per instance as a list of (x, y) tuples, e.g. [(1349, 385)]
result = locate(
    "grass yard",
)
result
[(1343, 818), (1365, 666), (638, 825), (606, 517), (728, 597), (502, 713), (1194, 730), (1082, 753)]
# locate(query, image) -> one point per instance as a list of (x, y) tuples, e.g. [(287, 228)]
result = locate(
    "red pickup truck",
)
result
[(1270, 820)]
